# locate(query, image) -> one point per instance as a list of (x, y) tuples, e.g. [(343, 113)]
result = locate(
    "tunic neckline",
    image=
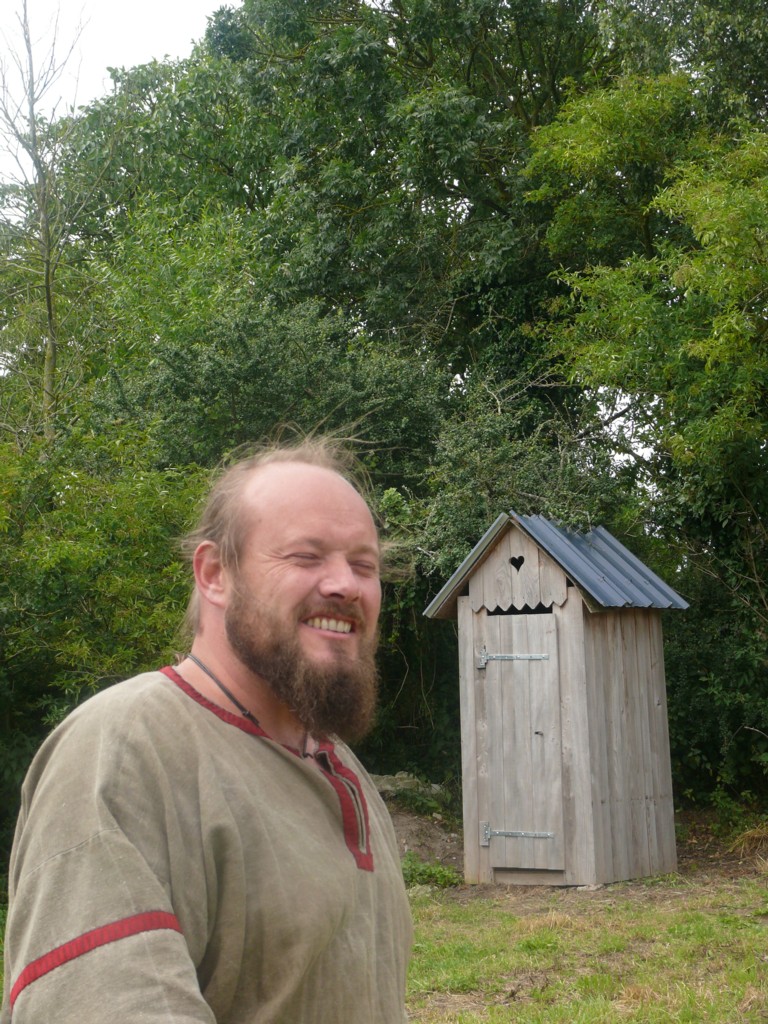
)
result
[(346, 784)]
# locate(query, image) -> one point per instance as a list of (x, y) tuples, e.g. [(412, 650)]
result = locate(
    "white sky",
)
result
[(115, 33)]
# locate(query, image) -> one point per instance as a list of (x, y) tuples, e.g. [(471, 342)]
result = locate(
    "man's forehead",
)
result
[(295, 495), (287, 478)]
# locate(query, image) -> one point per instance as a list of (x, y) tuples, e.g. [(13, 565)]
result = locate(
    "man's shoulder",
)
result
[(148, 702), (121, 733), (348, 757), (145, 693)]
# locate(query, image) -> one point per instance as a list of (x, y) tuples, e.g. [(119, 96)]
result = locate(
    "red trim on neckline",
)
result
[(153, 920), (226, 716), (356, 825)]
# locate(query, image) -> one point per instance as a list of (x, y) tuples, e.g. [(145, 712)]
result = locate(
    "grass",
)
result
[(419, 872), (670, 950)]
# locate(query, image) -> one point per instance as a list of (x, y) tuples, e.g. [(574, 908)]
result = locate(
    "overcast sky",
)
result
[(115, 33)]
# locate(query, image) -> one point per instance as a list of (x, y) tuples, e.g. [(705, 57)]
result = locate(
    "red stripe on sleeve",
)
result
[(149, 922)]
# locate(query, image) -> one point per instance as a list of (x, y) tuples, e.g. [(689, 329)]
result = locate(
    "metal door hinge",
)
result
[(487, 833), (484, 657)]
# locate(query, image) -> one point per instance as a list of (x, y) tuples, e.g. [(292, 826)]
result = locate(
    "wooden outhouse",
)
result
[(565, 744)]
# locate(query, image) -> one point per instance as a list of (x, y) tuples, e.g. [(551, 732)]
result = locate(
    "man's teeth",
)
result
[(334, 625)]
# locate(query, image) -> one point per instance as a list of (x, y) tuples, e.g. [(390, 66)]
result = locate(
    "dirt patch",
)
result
[(702, 848), (431, 838)]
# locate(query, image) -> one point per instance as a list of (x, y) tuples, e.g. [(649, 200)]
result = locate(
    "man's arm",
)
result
[(90, 933), (92, 930)]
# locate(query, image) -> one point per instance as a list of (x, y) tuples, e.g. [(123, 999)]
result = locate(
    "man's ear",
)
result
[(211, 578)]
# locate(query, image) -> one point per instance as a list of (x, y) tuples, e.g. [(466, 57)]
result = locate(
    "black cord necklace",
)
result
[(240, 707)]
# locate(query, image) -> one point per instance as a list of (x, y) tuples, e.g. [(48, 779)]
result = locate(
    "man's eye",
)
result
[(366, 568), (304, 556)]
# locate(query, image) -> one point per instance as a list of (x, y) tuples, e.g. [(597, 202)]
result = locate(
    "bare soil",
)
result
[(432, 839)]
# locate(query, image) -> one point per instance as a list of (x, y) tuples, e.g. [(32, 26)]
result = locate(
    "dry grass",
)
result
[(752, 843)]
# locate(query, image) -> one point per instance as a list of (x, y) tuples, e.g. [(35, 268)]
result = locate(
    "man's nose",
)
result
[(340, 580)]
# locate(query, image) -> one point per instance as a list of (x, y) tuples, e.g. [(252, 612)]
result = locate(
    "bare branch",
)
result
[(33, 204)]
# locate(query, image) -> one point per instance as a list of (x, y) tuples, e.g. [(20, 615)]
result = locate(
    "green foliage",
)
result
[(419, 872), (187, 129), (505, 448), (724, 47), (91, 586), (404, 130), (170, 275), (734, 817), (244, 373), (729, 46), (601, 162), (443, 801), (715, 664)]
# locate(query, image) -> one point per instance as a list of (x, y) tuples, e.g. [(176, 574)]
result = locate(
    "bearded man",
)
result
[(198, 845)]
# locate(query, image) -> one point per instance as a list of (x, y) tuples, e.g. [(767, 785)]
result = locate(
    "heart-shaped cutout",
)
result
[(516, 561)]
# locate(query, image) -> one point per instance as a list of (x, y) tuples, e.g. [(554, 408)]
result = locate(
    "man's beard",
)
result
[(334, 699)]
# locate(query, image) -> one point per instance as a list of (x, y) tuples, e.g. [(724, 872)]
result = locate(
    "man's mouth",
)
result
[(332, 625)]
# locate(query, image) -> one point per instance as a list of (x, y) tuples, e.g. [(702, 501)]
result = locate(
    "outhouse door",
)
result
[(517, 667)]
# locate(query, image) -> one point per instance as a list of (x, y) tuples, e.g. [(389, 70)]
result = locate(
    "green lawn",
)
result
[(669, 950)]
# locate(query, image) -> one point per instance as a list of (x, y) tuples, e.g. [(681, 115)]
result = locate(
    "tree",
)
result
[(600, 163), (397, 190), (37, 224), (92, 586), (192, 129), (724, 50), (247, 370), (673, 336)]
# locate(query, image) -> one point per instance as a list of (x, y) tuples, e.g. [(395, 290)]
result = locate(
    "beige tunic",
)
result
[(173, 864)]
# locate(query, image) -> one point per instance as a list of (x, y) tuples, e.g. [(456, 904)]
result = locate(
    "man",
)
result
[(194, 844)]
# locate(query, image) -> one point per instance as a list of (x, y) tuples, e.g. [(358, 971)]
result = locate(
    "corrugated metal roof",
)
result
[(608, 571), (595, 561)]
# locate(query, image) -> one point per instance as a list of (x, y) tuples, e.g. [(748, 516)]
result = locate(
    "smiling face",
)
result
[(306, 596)]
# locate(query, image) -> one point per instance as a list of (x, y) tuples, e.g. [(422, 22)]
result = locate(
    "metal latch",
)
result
[(487, 833), (484, 657)]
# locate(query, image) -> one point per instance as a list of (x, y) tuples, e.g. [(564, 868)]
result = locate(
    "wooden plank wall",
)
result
[(598, 746), (577, 754), (497, 583), (661, 759), (631, 771)]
